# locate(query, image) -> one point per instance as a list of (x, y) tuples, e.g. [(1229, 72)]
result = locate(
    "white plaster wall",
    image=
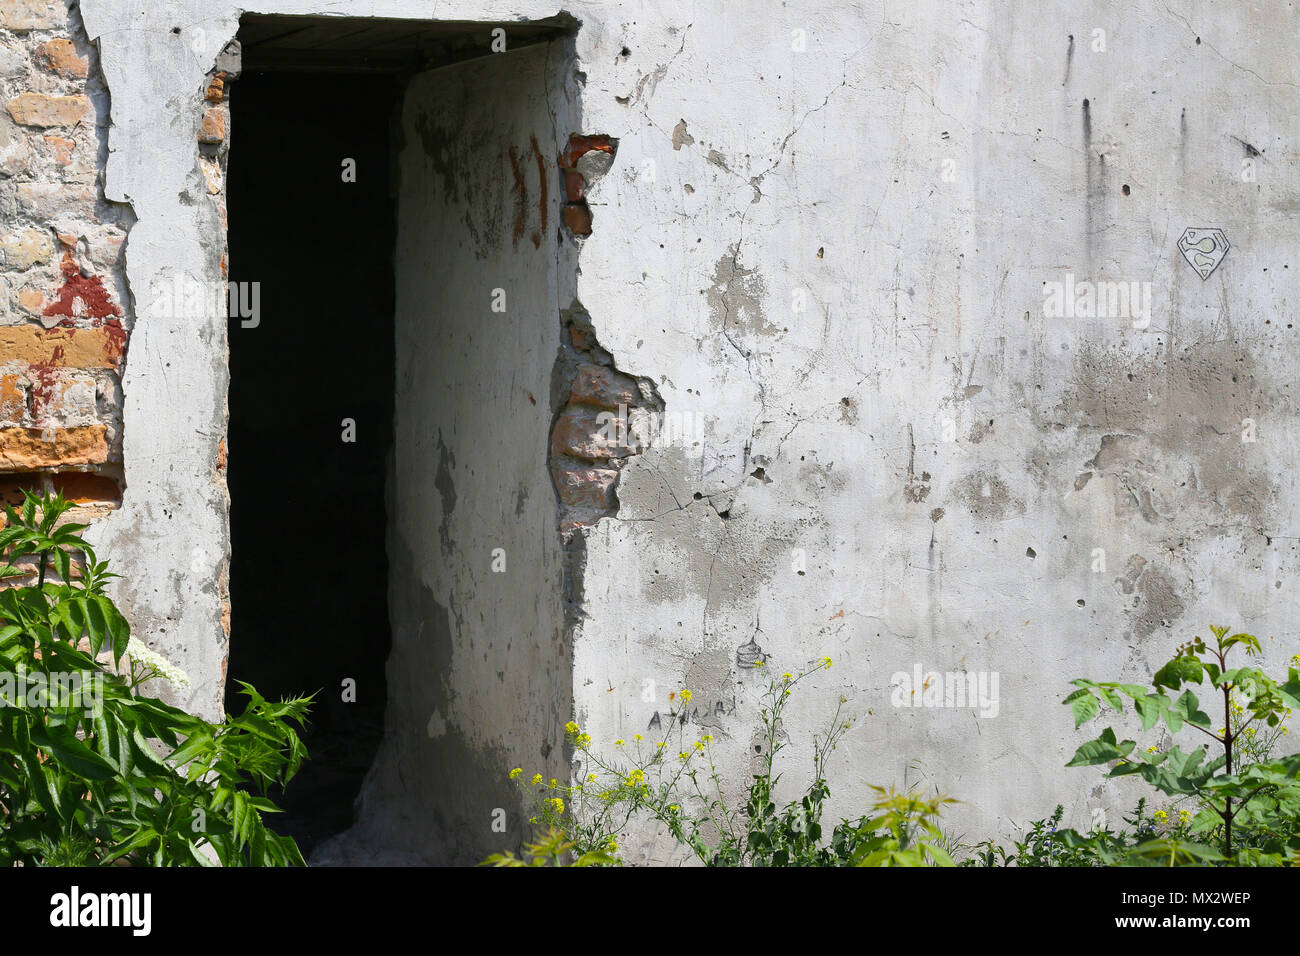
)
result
[(823, 170)]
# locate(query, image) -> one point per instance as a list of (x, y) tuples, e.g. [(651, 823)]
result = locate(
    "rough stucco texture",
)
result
[(826, 233)]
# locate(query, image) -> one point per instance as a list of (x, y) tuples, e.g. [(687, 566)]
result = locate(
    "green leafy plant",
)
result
[(903, 832), (1248, 802), (684, 792), (93, 770), (1147, 840), (551, 849)]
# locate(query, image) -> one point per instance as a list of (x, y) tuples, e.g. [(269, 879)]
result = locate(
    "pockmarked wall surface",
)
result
[(969, 335)]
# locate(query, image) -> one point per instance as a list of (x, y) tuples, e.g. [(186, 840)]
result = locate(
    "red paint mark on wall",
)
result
[(115, 346), (544, 199), (80, 296), (43, 377), (521, 198)]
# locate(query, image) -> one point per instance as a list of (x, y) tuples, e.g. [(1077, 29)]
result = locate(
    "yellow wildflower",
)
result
[(516, 772), (571, 727), (537, 778)]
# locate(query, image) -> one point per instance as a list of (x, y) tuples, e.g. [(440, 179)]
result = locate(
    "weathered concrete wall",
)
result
[(923, 432), (827, 232)]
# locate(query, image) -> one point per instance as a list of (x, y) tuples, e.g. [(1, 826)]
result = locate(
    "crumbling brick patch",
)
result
[(63, 325), (577, 170), (594, 432), (592, 402)]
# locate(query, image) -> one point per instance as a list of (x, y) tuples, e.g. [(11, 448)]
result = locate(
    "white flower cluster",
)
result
[(138, 652)]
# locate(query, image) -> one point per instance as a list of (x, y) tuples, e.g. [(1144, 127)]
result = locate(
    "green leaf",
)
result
[(1083, 705), (1188, 708), (63, 564), (1182, 669), (62, 744), (1149, 707), (1095, 752)]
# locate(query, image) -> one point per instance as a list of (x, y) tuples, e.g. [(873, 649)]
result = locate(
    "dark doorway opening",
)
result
[(309, 569), (330, 538)]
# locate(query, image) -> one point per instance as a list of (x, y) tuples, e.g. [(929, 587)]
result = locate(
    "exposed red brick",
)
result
[(63, 148), (586, 487), (60, 56), (578, 218), (574, 185), (216, 90), (87, 487), (27, 449), (11, 490), (41, 109), (31, 301), (83, 488), (13, 400), (63, 347), (579, 146), (605, 387), (213, 130), (585, 432)]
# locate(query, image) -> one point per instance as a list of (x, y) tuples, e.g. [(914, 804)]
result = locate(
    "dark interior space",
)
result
[(309, 570)]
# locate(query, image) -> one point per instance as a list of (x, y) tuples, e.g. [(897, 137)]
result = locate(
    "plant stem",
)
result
[(1227, 763)]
